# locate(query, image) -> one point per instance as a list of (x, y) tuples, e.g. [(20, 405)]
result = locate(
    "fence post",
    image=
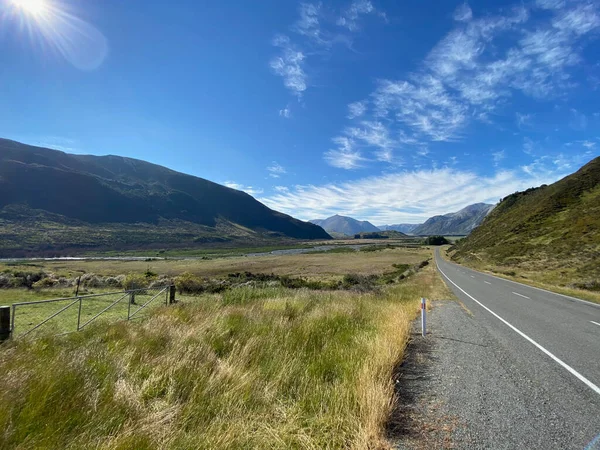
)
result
[(423, 317), (79, 314), (4, 323), (129, 306), (172, 294)]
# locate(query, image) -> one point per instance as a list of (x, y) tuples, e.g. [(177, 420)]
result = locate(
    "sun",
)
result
[(33, 7)]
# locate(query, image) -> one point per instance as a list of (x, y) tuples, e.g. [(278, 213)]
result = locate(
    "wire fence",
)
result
[(66, 315)]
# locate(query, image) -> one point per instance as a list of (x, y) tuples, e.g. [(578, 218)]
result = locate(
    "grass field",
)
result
[(247, 368), (317, 265), (557, 279)]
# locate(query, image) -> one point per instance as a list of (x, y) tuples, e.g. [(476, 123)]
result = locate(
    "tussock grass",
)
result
[(248, 368)]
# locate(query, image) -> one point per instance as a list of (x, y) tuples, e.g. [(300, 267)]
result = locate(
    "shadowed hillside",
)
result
[(553, 230), (39, 186)]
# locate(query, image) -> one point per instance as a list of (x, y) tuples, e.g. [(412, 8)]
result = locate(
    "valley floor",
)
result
[(255, 366)]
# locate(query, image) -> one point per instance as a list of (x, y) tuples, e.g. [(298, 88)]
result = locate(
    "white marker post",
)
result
[(423, 317)]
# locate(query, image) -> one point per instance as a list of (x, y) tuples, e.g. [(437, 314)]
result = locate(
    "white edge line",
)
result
[(521, 295), (573, 372), (597, 305), (595, 323), (487, 282)]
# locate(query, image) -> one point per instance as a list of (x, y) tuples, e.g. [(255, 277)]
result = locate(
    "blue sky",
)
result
[(382, 110)]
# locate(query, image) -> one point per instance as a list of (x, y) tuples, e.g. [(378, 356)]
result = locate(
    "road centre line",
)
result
[(573, 372), (487, 282), (595, 323), (521, 295)]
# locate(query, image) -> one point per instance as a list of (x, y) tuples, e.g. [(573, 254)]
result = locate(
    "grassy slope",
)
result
[(551, 233), (251, 368)]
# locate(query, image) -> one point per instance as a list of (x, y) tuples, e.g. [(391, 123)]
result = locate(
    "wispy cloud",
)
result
[(276, 170), (240, 187), (314, 34), (498, 157), (356, 109), (345, 156), (351, 16), (415, 195), (286, 112), (523, 119), (463, 13), (289, 65), (466, 76)]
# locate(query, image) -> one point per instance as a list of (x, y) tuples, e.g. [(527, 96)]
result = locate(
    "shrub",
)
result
[(134, 281), (187, 283), (47, 282), (435, 240)]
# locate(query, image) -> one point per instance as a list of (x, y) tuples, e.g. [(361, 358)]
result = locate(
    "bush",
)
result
[(435, 240), (47, 282), (6, 281), (188, 283), (134, 281)]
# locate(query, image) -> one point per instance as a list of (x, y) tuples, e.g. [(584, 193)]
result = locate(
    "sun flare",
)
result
[(34, 7)]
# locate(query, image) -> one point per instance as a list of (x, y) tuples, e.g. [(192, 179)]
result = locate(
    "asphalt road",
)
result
[(531, 371)]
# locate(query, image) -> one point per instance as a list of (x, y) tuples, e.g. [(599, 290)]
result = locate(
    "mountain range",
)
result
[(457, 223), (405, 228), (552, 232), (51, 200), (344, 225)]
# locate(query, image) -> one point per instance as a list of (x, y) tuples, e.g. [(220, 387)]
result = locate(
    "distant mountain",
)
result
[(405, 228), (461, 222), (552, 231), (54, 200), (344, 225)]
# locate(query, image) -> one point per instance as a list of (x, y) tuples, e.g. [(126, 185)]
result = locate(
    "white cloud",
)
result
[(374, 134), (356, 109), (523, 119), (240, 187), (409, 196), (498, 156), (550, 4), (345, 156), (350, 17), (286, 112), (308, 23), (289, 65), (588, 144), (463, 13), (281, 189), (467, 77), (315, 34), (276, 170)]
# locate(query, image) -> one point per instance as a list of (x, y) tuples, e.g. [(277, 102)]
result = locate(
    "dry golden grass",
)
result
[(252, 368), (306, 265)]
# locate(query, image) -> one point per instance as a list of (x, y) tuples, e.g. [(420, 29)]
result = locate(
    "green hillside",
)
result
[(55, 201), (551, 230)]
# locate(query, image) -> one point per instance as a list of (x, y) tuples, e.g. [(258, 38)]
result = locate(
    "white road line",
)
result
[(472, 276), (595, 323), (573, 372), (487, 282), (543, 290), (521, 295)]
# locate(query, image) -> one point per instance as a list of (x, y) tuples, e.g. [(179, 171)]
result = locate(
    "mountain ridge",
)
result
[(344, 225), (125, 191), (457, 223)]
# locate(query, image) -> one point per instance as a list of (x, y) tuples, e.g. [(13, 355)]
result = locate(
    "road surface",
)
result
[(516, 367)]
